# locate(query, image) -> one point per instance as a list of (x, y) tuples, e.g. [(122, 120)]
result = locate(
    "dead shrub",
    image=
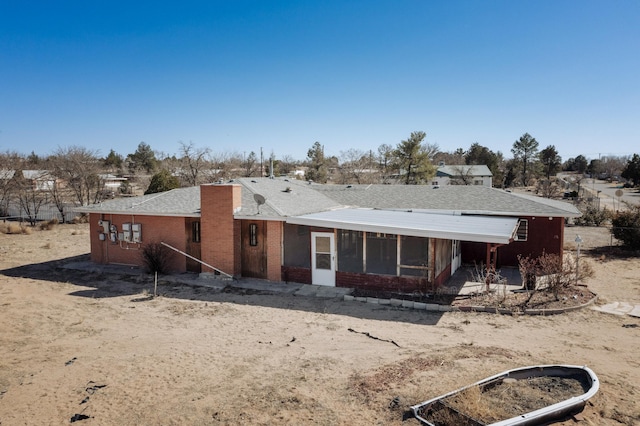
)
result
[(156, 257), (83, 218), (15, 228), (49, 224), (559, 274)]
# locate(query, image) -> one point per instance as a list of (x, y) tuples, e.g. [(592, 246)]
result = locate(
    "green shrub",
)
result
[(626, 227), (593, 216)]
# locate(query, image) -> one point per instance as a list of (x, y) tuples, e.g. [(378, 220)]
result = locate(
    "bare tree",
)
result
[(451, 158), (221, 166), (548, 188), (356, 167), (463, 175), (287, 164), (30, 197), (58, 195), (613, 166), (431, 150), (79, 169), (194, 161), (250, 164), (10, 161)]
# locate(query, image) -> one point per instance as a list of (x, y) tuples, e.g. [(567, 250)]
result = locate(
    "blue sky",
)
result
[(238, 76)]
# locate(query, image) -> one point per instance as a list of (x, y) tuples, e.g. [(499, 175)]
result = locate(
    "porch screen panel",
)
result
[(297, 246), (350, 250), (382, 253), (414, 256)]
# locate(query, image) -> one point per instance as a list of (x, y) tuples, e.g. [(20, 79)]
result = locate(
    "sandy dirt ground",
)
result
[(97, 349)]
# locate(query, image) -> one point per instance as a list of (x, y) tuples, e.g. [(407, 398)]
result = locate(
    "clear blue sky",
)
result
[(239, 75)]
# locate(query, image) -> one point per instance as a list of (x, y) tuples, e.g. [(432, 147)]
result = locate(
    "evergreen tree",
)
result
[(525, 150), (412, 159), (550, 160), (632, 170), (161, 182)]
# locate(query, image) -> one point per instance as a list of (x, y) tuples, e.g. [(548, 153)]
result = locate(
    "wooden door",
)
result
[(192, 232), (254, 256)]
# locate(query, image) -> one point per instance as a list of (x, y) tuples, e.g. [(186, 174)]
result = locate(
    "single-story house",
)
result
[(41, 180), (463, 175), (400, 237)]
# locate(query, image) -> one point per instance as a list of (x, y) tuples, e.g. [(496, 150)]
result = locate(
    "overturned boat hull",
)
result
[(586, 377)]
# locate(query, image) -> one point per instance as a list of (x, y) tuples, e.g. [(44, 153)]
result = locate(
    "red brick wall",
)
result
[(443, 276), (219, 231), (154, 229), (544, 236), (274, 250), (381, 282), (296, 275)]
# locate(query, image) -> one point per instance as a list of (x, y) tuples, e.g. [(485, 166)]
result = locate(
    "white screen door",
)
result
[(456, 257), (323, 265)]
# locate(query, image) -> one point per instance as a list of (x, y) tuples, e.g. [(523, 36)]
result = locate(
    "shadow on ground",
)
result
[(100, 281)]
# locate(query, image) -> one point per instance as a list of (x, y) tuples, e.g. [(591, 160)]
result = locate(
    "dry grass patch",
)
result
[(49, 224), (15, 228)]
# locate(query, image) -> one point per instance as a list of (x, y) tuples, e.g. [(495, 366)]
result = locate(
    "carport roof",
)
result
[(498, 230)]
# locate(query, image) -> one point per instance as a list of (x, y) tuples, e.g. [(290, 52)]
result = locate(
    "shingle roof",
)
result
[(177, 202), (470, 199), (283, 197), (288, 198)]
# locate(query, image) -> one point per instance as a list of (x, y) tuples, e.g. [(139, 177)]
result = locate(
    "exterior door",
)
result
[(323, 259), (456, 257), (254, 257), (192, 231)]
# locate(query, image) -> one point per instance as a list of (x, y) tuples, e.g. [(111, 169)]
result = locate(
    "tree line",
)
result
[(79, 174)]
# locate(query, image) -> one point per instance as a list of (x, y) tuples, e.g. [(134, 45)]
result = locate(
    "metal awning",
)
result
[(484, 229)]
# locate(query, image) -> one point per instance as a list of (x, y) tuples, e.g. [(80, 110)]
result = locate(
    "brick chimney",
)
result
[(220, 233)]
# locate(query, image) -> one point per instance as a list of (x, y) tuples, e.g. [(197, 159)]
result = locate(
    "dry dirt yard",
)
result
[(96, 349)]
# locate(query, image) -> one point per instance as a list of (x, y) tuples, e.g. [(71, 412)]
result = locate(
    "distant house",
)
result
[(41, 180), (463, 175), (112, 183), (401, 237)]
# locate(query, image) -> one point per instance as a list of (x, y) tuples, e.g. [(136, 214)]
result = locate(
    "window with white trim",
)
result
[(523, 230)]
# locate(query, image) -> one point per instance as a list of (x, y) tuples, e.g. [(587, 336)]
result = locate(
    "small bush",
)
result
[(15, 228), (156, 258), (626, 227), (49, 225), (559, 273), (83, 218), (594, 217)]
